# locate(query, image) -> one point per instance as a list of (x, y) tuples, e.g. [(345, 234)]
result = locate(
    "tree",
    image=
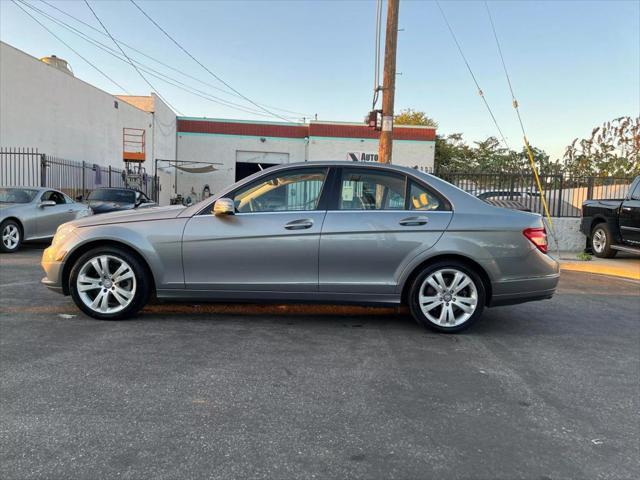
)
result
[(613, 149), (414, 117)]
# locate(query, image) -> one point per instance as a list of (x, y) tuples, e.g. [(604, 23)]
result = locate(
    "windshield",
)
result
[(118, 196), (17, 195)]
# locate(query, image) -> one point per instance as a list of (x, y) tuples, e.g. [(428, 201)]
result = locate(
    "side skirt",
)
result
[(273, 296)]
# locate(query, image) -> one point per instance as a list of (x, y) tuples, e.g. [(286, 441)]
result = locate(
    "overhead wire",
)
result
[(160, 62), (217, 77), (71, 48), (475, 80), (129, 60), (147, 69), (524, 133)]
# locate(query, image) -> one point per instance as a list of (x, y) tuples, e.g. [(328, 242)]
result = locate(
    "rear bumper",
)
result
[(524, 290)]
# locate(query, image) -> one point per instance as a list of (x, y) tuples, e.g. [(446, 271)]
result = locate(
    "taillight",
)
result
[(537, 236)]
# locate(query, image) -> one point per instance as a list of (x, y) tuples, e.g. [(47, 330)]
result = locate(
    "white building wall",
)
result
[(64, 116), (405, 152), (223, 150)]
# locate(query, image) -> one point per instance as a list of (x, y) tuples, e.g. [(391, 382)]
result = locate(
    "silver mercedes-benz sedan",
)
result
[(34, 213), (339, 232)]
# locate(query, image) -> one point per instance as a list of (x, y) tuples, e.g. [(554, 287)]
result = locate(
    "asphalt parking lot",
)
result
[(547, 390)]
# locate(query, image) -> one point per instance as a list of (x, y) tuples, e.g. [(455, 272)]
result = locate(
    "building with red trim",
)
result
[(237, 148)]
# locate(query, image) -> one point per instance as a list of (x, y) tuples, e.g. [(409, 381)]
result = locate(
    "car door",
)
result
[(49, 218), (378, 222), (271, 242), (630, 215)]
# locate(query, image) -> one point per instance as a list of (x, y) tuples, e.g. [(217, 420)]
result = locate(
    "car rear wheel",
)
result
[(447, 297), (601, 241), (109, 284), (11, 236)]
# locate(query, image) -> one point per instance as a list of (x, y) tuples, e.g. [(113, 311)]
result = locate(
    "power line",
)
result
[(504, 67), (524, 133), (129, 60), (203, 66), (72, 49), (464, 58), (160, 62), (145, 68)]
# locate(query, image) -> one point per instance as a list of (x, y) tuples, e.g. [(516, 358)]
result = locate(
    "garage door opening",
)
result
[(244, 169)]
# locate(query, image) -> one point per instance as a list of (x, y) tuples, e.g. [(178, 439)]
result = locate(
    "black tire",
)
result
[(601, 240), (142, 283), (446, 265), (15, 229)]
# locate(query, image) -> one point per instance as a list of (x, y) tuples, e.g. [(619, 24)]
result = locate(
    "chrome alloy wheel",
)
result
[(10, 236), (448, 297), (599, 240), (106, 284)]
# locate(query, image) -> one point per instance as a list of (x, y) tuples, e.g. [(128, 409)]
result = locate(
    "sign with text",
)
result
[(362, 157)]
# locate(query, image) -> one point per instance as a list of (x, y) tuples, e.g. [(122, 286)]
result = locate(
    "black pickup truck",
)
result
[(613, 225)]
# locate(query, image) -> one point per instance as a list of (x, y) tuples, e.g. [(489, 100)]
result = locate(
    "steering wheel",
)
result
[(255, 205)]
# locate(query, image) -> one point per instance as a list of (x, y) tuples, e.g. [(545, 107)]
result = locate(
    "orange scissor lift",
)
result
[(134, 154)]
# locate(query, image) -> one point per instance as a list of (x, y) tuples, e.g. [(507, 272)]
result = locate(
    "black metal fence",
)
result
[(27, 167), (563, 193)]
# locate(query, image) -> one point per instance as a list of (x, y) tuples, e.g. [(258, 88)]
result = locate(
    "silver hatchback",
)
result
[(312, 232)]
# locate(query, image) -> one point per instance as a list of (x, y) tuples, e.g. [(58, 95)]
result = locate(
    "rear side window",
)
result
[(422, 199), (363, 189)]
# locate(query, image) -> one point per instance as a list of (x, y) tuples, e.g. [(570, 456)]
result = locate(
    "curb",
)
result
[(631, 272)]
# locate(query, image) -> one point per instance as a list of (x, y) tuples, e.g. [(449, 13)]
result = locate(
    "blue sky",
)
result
[(574, 64)]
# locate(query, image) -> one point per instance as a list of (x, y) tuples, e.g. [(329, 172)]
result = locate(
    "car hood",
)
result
[(126, 216)]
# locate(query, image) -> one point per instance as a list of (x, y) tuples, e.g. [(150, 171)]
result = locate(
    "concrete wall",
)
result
[(64, 116), (568, 234)]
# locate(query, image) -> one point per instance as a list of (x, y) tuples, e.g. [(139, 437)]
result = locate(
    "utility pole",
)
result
[(389, 81)]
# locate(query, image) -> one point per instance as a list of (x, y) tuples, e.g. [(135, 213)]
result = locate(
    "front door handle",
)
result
[(412, 221), (299, 224), (626, 209)]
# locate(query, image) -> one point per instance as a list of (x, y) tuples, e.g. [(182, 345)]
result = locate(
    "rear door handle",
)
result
[(299, 224), (412, 221)]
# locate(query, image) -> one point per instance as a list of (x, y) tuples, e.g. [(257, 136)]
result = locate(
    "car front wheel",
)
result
[(447, 297), (109, 284), (11, 236)]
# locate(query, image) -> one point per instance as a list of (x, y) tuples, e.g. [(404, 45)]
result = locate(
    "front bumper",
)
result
[(52, 266)]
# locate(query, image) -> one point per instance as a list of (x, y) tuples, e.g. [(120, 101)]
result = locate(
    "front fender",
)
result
[(159, 243)]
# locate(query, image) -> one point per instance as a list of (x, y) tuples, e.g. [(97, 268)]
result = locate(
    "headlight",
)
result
[(62, 233)]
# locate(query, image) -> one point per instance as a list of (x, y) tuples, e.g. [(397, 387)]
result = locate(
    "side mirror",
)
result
[(224, 206), (47, 203)]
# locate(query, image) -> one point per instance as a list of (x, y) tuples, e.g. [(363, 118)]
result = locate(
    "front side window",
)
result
[(53, 196), (422, 199), (635, 195), (363, 189), (284, 192)]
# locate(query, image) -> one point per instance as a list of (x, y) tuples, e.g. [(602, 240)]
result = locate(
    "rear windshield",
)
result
[(17, 195), (119, 196)]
